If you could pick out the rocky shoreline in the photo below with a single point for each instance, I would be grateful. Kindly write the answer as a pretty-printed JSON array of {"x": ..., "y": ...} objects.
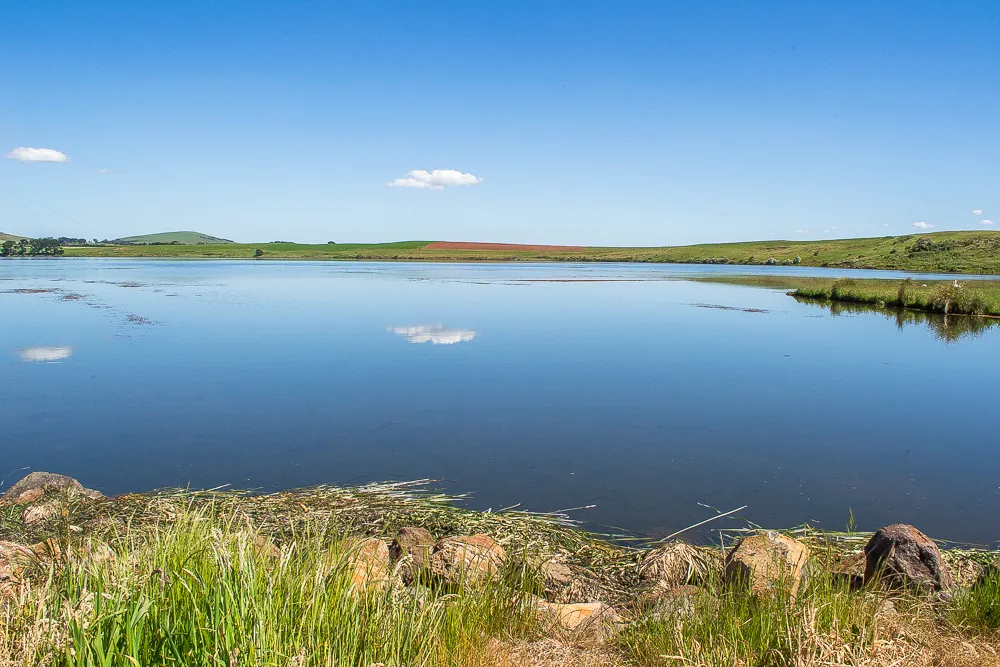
[{"x": 587, "y": 593}]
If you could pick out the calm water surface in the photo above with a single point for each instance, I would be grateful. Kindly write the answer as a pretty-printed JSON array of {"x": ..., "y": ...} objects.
[{"x": 553, "y": 386}]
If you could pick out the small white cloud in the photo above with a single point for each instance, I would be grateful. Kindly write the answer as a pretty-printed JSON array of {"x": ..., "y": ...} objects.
[
  {"x": 102, "y": 171},
  {"x": 45, "y": 354},
  {"x": 978, "y": 211},
  {"x": 801, "y": 231},
  {"x": 27, "y": 154},
  {"x": 437, "y": 334},
  {"x": 439, "y": 179},
  {"x": 923, "y": 225},
  {"x": 836, "y": 229},
  {"x": 886, "y": 224},
  {"x": 986, "y": 222}
]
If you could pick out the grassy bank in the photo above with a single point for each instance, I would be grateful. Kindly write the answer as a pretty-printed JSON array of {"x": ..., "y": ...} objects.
[
  {"x": 972, "y": 297},
  {"x": 959, "y": 252},
  {"x": 227, "y": 579}
]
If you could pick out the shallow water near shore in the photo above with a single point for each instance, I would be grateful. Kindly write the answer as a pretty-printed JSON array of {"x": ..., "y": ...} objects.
[{"x": 554, "y": 386}]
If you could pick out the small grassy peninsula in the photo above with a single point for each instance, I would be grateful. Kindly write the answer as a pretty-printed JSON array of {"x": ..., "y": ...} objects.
[
  {"x": 394, "y": 575},
  {"x": 946, "y": 297}
]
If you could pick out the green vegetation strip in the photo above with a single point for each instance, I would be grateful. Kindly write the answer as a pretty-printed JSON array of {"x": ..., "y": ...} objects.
[{"x": 949, "y": 252}]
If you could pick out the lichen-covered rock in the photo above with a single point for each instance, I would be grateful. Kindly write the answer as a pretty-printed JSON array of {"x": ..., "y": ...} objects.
[
  {"x": 767, "y": 563},
  {"x": 368, "y": 561},
  {"x": 900, "y": 556},
  {"x": 466, "y": 559},
  {"x": 678, "y": 563},
  {"x": 34, "y": 486},
  {"x": 411, "y": 550}
]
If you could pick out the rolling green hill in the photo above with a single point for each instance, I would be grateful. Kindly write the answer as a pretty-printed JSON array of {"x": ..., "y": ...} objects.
[
  {"x": 182, "y": 238},
  {"x": 9, "y": 237},
  {"x": 952, "y": 252}
]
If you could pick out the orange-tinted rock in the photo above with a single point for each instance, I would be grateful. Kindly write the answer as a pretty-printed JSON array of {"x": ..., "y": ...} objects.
[{"x": 469, "y": 559}]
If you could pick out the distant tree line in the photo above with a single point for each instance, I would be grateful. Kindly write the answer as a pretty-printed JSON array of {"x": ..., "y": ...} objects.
[{"x": 31, "y": 247}]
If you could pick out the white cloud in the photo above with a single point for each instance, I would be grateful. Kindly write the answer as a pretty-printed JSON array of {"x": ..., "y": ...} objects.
[
  {"x": 986, "y": 222},
  {"x": 45, "y": 354},
  {"x": 439, "y": 179},
  {"x": 26, "y": 154},
  {"x": 923, "y": 225},
  {"x": 886, "y": 224},
  {"x": 801, "y": 231},
  {"x": 437, "y": 334},
  {"x": 978, "y": 211}
]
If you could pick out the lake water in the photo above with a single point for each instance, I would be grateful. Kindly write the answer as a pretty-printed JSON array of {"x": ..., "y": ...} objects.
[{"x": 550, "y": 385}]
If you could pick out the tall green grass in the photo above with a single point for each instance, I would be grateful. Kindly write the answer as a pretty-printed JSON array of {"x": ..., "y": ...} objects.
[
  {"x": 725, "y": 627},
  {"x": 197, "y": 594}
]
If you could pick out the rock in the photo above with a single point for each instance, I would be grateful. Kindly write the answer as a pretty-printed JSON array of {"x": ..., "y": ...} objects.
[
  {"x": 556, "y": 575},
  {"x": 767, "y": 563},
  {"x": 34, "y": 486},
  {"x": 678, "y": 563},
  {"x": 368, "y": 560},
  {"x": 900, "y": 556},
  {"x": 47, "y": 551},
  {"x": 14, "y": 558},
  {"x": 850, "y": 570},
  {"x": 412, "y": 552},
  {"x": 470, "y": 559},
  {"x": 583, "y": 620},
  {"x": 265, "y": 548}
]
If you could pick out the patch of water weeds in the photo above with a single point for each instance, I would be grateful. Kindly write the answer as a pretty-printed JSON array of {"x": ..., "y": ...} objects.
[{"x": 716, "y": 306}]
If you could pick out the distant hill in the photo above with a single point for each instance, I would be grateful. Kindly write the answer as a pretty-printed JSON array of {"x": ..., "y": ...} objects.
[
  {"x": 10, "y": 237},
  {"x": 180, "y": 238}
]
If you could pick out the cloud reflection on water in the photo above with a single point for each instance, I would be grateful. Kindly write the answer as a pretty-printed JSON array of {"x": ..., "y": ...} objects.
[
  {"x": 436, "y": 334},
  {"x": 45, "y": 354}
]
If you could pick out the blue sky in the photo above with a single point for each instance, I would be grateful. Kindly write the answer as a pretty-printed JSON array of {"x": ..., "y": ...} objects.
[{"x": 581, "y": 122}]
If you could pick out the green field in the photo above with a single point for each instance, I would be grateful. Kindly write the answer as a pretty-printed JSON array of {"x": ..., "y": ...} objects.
[
  {"x": 183, "y": 238},
  {"x": 954, "y": 252}
]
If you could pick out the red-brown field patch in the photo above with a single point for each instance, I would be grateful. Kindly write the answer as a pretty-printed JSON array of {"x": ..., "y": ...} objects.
[{"x": 471, "y": 245}]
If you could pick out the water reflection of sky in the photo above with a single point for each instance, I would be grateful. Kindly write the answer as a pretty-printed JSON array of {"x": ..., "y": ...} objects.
[
  {"x": 436, "y": 334},
  {"x": 619, "y": 394},
  {"x": 45, "y": 354}
]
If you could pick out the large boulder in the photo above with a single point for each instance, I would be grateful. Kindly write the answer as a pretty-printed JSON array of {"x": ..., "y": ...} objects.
[
  {"x": 677, "y": 564},
  {"x": 767, "y": 563},
  {"x": 368, "y": 562},
  {"x": 466, "y": 559},
  {"x": 411, "y": 550},
  {"x": 36, "y": 485},
  {"x": 900, "y": 556}
]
